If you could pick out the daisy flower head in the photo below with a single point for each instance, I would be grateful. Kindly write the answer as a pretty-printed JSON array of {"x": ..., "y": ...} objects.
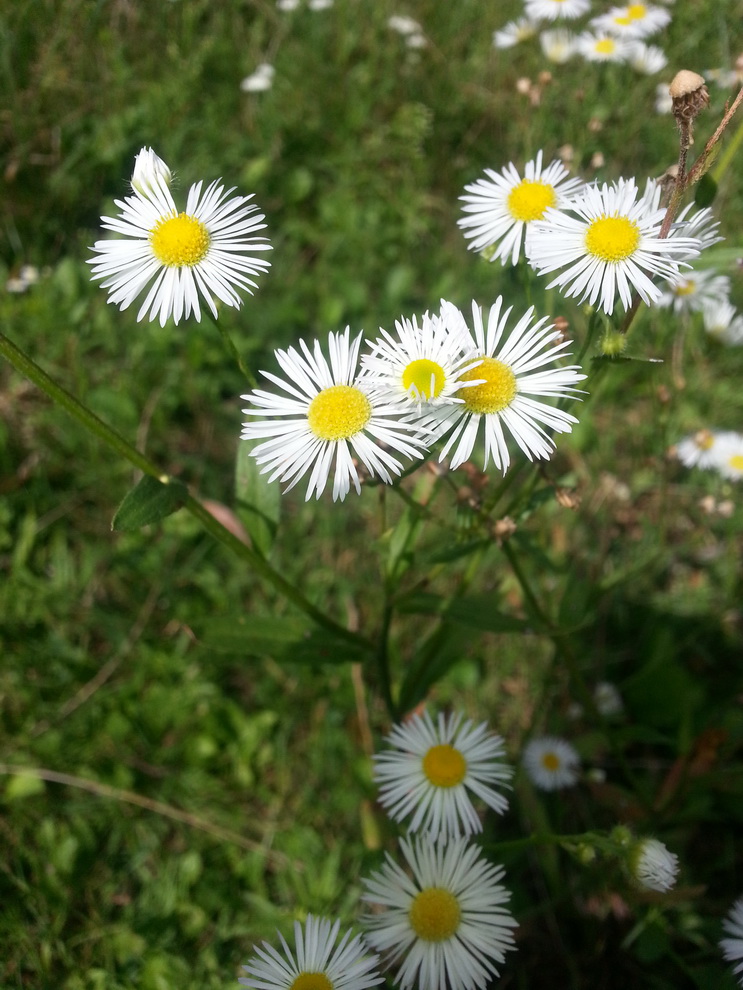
[
  {"x": 319, "y": 961},
  {"x": 602, "y": 47},
  {"x": 326, "y": 416},
  {"x": 723, "y": 321},
  {"x": 422, "y": 366},
  {"x": 558, "y": 46},
  {"x": 259, "y": 81},
  {"x": 647, "y": 59},
  {"x": 636, "y": 20},
  {"x": 514, "y": 33},
  {"x": 652, "y": 866},
  {"x": 447, "y": 924},
  {"x": 433, "y": 767},
  {"x": 700, "y": 449},
  {"x": 208, "y": 250},
  {"x": 728, "y": 456},
  {"x": 693, "y": 290},
  {"x": 610, "y": 245},
  {"x": 502, "y": 207},
  {"x": 732, "y": 948},
  {"x": 702, "y": 224},
  {"x": 509, "y": 374},
  {"x": 551, "y": 10},
  {"x": 607, "y": 698},
  {"x": 551, "y": 763}
]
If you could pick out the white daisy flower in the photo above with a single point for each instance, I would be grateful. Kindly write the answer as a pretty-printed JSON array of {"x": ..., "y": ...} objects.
[
  {"x": 723, "y": 321},
  {"x": 602, "y": 47},
  {"x": 663, "y": 99},
  {"x": 647, "y": 59},
  {"x": 433, "y": 767},
  {"x": 611, "y": 246},
  {"x": 423, "y": 366},
  {"x": 607, "y": 698},
  {"x": 149, "y": 169},
  {"x": 636, "y": 20},
  {"x": 287, "y": 4},
  {"x": 692, "y": 291},
  {"x": 504, "y": 205},
  {"x": 510, "y": 374},
  {"x": 320, "y": 4},
  {"x": 732, "y": 948},
  {"x": 514, "y": 33},
  {"x": 700, "y": 449},
  {"x": 728, "y": 455},
  {"x": 652, "y": 865},
  {"x": 447, "y": 925},
  {"x": 208, "y": 249},
  {"x": 550, "y": 10},
  {"x": 551, "y": 763},
  {"x": 325, "y": 417},
  {"x": 319, "y": 962},
  {"x": 558, "y": 46},
  {"x": 702, "y": 225},
  {"x": 403, "y": 24},
  {"x": 260, "y": 80}
]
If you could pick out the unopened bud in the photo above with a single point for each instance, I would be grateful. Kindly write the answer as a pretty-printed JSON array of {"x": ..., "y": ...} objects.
[{"x": 149, "y": 171}]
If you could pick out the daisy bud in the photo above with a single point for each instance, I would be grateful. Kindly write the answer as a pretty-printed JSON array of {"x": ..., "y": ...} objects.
[
  {"x": 652, "y": 865},
  {"x": 148, "y": 169}
]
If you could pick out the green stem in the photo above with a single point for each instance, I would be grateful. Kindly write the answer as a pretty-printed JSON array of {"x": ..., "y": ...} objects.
[
  {"x": 233, "y": 351},
  {"x": 26, "y": 366}
]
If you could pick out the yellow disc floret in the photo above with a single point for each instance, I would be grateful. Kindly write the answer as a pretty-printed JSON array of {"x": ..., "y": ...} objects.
[
  {"x": 179, "y": 240},
  {"x": 339, "y": 412},
  {"x": 637, "y": 11},
  {"x": 311, "y": 981},
  {"x": 551, "y": 762},
  {"x": 497, "y": 391},
  {"x": 606, "y": 46},
  {"x": 434, "y": 914},
  {"x": 425, "y": 377},
  {"x": 612, "y": 239},
  {"x": 685, "y": 288},
  {"x": 529, "y": 199},
  {"x": 444, "y": 766},
  {"x": 736, "y": 462}
]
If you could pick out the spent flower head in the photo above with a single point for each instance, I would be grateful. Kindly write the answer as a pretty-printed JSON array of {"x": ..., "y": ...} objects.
[
  {"x": 325, "y": 418},
  {"x": 319, "y": 961},
  {"x": 208, "y": 250},
  {"x": 510, "y": 372},
  {"x": 431, "y": 770},
  {"x": 446, "y": 925}
]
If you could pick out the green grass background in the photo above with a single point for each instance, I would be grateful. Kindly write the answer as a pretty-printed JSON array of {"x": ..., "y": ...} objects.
[{"x": 357, "y": 156}]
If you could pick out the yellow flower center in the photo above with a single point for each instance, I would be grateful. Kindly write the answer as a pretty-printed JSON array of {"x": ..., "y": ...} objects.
[
  {"x": 339, "y": 412},
  {"x": 623, "y": 20},
  {"x": 426, "y": 378},
  {"x": 703, "y": 439},
  {"x": 180, "y": 240},
  {"x": 612, "y": 238},
  {"x": 686, "y": 288},
  {"x": 551, "y": 762},
  {"x": 529, "y": 199},
  {"x": 434, "y": 914},
  {"x": 605, "y": 46},
  {"x": 497, "y": 391},
  {"x": 736, "y": 462},
  {"x": 444, "y": 766},
  {"x": 311, "y": 981},
  {"x": 636, "y": 11}
]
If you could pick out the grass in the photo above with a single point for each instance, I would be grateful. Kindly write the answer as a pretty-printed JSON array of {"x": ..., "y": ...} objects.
[{"x": 116, "y": 669}]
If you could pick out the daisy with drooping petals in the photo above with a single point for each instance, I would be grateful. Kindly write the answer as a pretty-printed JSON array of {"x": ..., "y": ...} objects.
[
  {"x": 509, "y": 374},
  {"x": 723, "y": 321},
  {"x": 558, "y": 45},
  {"x": 611, "y": 246},
  {"x": 447, "y": 924},
  {"x": 319, "y": 962},
  {"x": 732, "y": 948},
  {"x": 325, "y": 416},
  {"x": 209, "y": 249},
  {"x": 503, "y": 206},
  {"x": 431, "y": 769},
  {"x": 550, "y": 10},
  {"x": 424, "y": 366},
  {"x": 551, "y": 763},
  {"x": 652, "y": 866},
  {"x": 693, "y": 290},
  {"x": 514, "y": 33},
  {"x": 647, "y": 59},
  {"x": 636, "y": 20}
]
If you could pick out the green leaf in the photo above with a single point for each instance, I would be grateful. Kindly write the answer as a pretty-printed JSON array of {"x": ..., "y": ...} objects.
[
  {"x": 475, "y": 611},
  {"x": 258, "y": 500},
  {"x": 149, "y": 501},
  {"x": 286, "y": 638},
  {"x": 23, "y": 785},
  {"x": 705, "y": 191}
]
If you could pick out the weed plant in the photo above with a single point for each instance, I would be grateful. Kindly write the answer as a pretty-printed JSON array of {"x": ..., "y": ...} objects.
[{"x": 186, "y": 755}]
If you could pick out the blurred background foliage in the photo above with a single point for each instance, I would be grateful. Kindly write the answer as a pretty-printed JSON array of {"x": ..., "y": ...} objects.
[{"x": 357, "y": 155}]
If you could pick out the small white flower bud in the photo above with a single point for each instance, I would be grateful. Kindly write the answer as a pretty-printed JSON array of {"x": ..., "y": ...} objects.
[
  {"x": 652, "y": 865},
  {"x": 148, "y": 169}
]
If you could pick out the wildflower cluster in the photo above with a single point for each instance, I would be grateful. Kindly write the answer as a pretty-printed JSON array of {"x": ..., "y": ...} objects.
[{"x": 713, "y": 450}]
